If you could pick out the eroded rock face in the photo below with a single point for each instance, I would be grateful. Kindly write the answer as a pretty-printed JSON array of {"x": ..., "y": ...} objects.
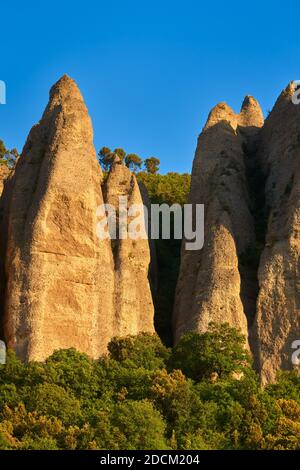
[
  {"x": 248, "y": 176},
  {"x": 133, "y": 299},
  {"x": 210, "y": 285},
  {"x": 60, "y": 278},
  {"x": 278, "y": 309}
]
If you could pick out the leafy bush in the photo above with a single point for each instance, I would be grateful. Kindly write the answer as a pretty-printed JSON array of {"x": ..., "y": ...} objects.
[
  {"x": 203, "y": 394},
  {"x": 219, "y": 351}
]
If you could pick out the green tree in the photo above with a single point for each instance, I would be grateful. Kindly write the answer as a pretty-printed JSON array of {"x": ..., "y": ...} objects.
[
  {"x": 132, "y": 425},
  {"x": 3, "y": 149},
  {"x": 218, "y": 353},
  {"x": 287, "y": 386},
  {"x": 144, "y": 350},
  {"x": 105, "y": 158},
  {"x": 8, "y": 157},
  {"x": 53, "y": 400},
  {"x": 152, "y": 165},
  {"x": 170, "y": 188},
  {"x": 286, "y": 432},
  {"x": 133, "y": 161},
  {"x": 120, "y": 153},
  {"x": 73, "y": 371}
]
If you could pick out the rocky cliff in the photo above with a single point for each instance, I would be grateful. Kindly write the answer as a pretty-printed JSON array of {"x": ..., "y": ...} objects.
[
  {"x": 277, "y": 322},
  {"x": 211, "y": 283},
  {"x": 61, "y": 288},
  {"x": 133, "y": 300},
  {"x": 246, "y": 172}
]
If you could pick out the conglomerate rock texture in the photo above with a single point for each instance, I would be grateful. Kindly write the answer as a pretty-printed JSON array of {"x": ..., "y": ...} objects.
[
  {"x": 247, "y": 174},
  {"x": 209, "y": 286},
  {"x": 133, "y": 300},
  {"x": 277, "y": 324},
  {"x": 61, "y": 286},
  {"x": 60, "y": 279}
]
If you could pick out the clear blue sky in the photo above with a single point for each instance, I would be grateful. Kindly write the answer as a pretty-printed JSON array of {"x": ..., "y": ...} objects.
[{"x": 149, "y": 71}]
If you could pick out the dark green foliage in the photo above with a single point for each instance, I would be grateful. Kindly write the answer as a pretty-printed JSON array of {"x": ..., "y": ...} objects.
[
  {"x": 106, "y": 157},
  {"x": 170, "y": 188},
  {"x": 144, "y": 350},
  {"x": 204, "y": 396},
  {"x": 218, "y": 351},
  {"x": 135, "y": 425},
  {"x": 133, "y": 162},
  {"x": 53, "y": 400},
  {"x": 8, "y": 157},
  {"x": 152, "y": 165},
  {"x": 288, "y": 386}
]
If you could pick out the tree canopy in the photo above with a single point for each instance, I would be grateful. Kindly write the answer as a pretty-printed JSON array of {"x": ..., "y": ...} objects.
[
  {"x": 143, "y": 395},
  {"x": 8, "y": 157},
  {"x": 131, "y": 160}
]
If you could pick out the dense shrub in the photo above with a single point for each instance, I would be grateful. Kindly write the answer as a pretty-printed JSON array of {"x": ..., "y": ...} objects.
[{"x": 203, "y": 394}]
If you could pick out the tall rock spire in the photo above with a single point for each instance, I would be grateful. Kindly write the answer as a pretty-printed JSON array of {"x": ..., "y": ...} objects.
[
  {"x": 60, "y": 279},
  {"x": 133, "y": 300},
  {"x": 277, "y": 323},
  {"x": 211, "y": 284}
]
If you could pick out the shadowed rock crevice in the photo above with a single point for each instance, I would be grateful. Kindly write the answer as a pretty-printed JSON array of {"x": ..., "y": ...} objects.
[
  {"x": 277, "y": 322},
  {"x": 250, "y": 257}
]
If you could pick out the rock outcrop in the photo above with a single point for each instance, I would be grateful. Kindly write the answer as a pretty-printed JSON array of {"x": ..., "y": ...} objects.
[
  {"x": 211, "y": 285},
  {"x": 277, "y": 323},
  {"x": 247, "y": 174},
  {"x": 61, "y": 288},
  {"x": 133, "y": 300}
]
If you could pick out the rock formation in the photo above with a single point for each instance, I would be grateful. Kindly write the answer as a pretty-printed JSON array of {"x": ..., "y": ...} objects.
[
  {"x": 61, "y": 288},
  {"x": 247, "y": 174},
  {"x": 133, "y": 300},
  {"x": 210, "y": 286},
  {"x": 277, "y": 323}
]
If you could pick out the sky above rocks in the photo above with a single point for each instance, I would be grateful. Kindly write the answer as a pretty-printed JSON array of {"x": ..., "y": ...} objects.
[{"x": 149, "y": 71}]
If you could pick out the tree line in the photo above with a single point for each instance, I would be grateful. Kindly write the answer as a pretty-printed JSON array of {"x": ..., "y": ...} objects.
[
  {"x": 131, "y": 160},
  {"x": 201, "y": 394}
]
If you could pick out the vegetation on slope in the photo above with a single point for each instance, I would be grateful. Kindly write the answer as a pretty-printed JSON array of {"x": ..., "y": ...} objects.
[{"x": 203, "y": 394}]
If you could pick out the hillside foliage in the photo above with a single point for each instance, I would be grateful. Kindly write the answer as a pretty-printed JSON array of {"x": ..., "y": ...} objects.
[
  {"x": 203, "y": 394},
  {"x": 172, "y": 188}
]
